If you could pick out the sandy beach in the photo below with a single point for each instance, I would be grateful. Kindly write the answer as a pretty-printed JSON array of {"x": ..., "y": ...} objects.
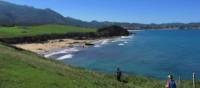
[
  {"x": 53, "y": 44},
  {"x": 67, "y": 47}
]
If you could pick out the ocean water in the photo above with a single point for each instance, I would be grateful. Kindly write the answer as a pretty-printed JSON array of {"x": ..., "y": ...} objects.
[{"x": 151, "y": 53}]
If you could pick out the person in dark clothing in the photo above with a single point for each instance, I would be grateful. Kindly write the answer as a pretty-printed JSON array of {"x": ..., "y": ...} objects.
[
  {"x": 118, "y": 74},
  {"x": 170, "y": 83}
]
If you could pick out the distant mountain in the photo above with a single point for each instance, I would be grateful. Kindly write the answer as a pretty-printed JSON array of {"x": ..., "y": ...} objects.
[
  {"x": 76, "y": 22},
  {"x": 12, "y": 14},
  {"x": 136, "y": 26},
  {"x": 96, "y": 24}
]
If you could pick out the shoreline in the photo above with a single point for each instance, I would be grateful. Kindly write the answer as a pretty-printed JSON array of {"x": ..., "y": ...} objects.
[
  {"x": 67, "y": 46},
  {"x": 51, "y": 45}
]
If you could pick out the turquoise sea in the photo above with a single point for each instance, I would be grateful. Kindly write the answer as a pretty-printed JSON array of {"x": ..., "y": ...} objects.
[{"x": 151, "y": 53}]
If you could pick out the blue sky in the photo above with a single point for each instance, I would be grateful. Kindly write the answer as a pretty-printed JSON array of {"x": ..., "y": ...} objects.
[{"x": 140, "y": 11}]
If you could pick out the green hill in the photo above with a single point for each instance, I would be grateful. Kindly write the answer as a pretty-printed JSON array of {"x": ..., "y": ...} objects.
[
  {"x": 19, "y": 31},
  {"x": 23, "y": 69}
]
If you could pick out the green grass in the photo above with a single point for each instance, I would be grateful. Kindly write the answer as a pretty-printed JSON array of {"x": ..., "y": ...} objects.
[
  {"x": 20, "y": 31},
  {"x": 23, "y": 69}
]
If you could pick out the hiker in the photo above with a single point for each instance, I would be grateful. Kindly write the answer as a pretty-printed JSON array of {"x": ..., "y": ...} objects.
[
  {"x": 118, "y": 74},
  {"x": 170, "y": 83}
]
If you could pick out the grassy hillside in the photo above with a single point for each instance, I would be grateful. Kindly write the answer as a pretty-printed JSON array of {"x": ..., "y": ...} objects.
[
  {"x": 39, "y": 30},
  {"x": 22, "y": 69}
]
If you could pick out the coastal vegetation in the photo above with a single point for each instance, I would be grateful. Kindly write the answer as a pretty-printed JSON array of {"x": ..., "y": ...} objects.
[
  {"x": 21, "y": 31},
  {"x": 23, "y": 69},
  {"x": 43, "y": 33},
  {"x": 112, "y": 31}
]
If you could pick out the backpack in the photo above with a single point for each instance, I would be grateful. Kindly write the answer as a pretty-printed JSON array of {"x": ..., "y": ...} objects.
[{"x": 172, "y": 84}]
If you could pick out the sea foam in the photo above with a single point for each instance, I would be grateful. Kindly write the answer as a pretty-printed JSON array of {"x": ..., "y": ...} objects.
[
  {"x": 121, "y": 44},
  {"x": 97, "y": 46},
  {"x": 68, "y": 50},
  {"x": 65, "y": 57},
  {"x": 104, "y": 42}
]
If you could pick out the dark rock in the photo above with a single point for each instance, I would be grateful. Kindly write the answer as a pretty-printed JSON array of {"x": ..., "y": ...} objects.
[
  {"x": 61, "y": 40},
  {"x": 89, "y": 44}
]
